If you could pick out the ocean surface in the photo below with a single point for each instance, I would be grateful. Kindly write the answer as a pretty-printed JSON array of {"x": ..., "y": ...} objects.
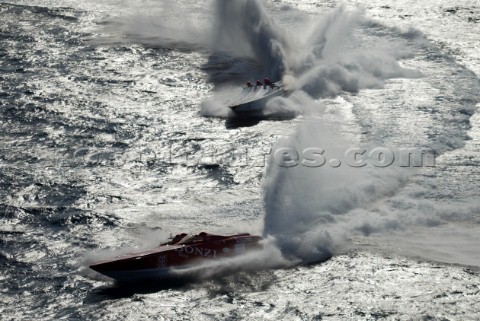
[{"x": 115, "y": 135}]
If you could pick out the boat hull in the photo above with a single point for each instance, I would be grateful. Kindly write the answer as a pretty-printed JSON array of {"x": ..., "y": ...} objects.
[
  {"x": 144, "y": 274},
  {"x": 255, "y": 101},
  {"x": 161, "y": 261}
]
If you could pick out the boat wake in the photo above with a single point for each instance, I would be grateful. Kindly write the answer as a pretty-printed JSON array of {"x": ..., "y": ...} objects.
[
  {"x": 245, "y": 43},
  {"x": 311, "y": 213}
]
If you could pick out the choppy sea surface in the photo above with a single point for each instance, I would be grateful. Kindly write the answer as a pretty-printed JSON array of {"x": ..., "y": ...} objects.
[{"x": 115, "y": 134}]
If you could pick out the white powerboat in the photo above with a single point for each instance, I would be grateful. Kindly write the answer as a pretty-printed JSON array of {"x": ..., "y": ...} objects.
[{"x": 253, "y": 99}]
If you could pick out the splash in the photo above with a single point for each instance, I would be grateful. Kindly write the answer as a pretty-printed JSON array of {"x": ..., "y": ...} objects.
[
  {"x": 267, "y": 258},
  {"x": 306, "y": 206},
  {"x": 321, "y": 60},
  {"x": 319, "y": 56},
  {"x": 243, "y": 28},
  {"x": 310, "y": 212}
]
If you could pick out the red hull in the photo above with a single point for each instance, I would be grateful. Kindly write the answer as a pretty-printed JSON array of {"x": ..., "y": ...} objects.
[{"x": 183, "y": 251}]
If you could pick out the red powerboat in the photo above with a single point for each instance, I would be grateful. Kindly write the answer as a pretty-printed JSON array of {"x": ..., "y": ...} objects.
[{"x": 182, "y": 252}]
